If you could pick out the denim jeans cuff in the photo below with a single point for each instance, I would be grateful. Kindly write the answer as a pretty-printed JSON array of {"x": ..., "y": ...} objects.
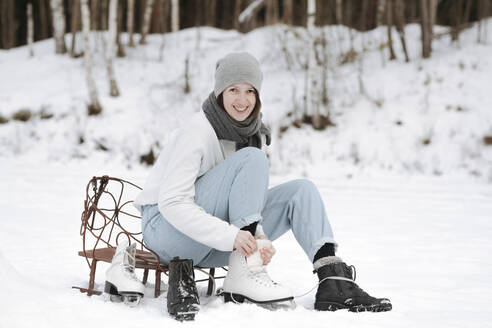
[{"x": 248, "y": 220}]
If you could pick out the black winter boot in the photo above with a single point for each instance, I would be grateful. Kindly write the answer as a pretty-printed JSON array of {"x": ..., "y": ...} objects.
[
  {"x": 338, "y": 290},
  {"x": 182, "y": 296}
]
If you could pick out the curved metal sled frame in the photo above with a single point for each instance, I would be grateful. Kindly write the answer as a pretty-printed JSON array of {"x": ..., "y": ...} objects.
[{"x": 107, "y": 217}]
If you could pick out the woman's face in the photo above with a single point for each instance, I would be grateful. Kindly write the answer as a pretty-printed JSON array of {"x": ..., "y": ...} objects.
[{"x": 239, "y": 100}]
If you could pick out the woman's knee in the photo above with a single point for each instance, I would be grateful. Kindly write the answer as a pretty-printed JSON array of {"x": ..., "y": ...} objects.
[
  {"x": 304, "y": 187},
  {"x": 255, "y": 158}
]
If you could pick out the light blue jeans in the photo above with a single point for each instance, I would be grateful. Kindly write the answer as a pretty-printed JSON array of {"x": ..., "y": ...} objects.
[{"x": 237, "y": 191}]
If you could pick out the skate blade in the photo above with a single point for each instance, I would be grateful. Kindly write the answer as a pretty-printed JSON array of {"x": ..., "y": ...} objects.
[
  {"x": 285, "y": 303},
  {"x": 131, "y": 300}
]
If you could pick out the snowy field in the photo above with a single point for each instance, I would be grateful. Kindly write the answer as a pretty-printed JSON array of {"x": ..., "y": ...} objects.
[
  {"x": 405, "y": 174},
  {"x": 422, "y": 242}
]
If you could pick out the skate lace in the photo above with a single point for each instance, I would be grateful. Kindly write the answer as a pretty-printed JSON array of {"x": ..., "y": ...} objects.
[
  {"x": 129, "y": 266},
  {"x": 260, "y": 274},
  {"x": 352, "y": 274}
]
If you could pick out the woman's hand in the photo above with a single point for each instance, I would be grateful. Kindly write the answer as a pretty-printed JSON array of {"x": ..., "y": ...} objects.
[
  {"x": 245, "y": 243},
  {"x": 267, "y": 254}
]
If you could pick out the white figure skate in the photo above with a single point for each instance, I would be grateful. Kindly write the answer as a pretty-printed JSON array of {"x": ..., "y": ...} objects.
[
  {"x": 247, "y": 279},
  {"x": 121, "y": 282}
]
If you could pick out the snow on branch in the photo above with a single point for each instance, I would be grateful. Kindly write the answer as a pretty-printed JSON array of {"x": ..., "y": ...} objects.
[{"x": 253, "y": 8}]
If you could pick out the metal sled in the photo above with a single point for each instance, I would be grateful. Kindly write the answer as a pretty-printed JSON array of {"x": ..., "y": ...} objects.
[{"x": 108, "y": 217}]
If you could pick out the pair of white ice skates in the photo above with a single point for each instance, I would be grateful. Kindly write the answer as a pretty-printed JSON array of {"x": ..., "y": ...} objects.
[{"x": 247, "y": 279}]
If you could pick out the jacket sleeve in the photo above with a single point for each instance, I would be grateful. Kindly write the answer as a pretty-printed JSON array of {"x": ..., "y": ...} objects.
[{"x": 177, "y": 193}]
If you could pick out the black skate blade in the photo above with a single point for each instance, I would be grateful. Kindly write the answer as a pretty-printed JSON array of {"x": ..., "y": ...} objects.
[{"x": 238, "y": 298}]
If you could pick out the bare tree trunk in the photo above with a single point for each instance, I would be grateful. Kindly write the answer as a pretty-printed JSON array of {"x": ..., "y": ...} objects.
[
  {"x": 175, "y": 16},
  {"x": 146, "y": 21},
  {"x": 363, "y": 15},
  {"x": 211, "y": 12},
  {"x": 74, "y": 24},
  {"x": 389, "y": 23},
  {"x": 380, "y": 12},
  {"x": 288, "y": 12},
  {"x": 30, "y": 29},
  {"x": 121, "y": 50},
  {"x": 95, "y": 14},
  {"x": 165, "y": 15},
  {"x": 482, "y": 13},
  {"x": 104, "y": 14},
  {"x": 237, "y": 11},
  {"x": 339, "y": 12},
  {"x": 426, "y": 34},
  {"x": 110, "y": 47},
  {"x": 271, "y": 12},
  {"x": 400, "y": 25},
  {"x": 94, "y": 107},
  {"x": 44, "y": 26},
  {"x": 130, "y": 15},
  {"x": 313, "y": 88},
  {"x": 58, "y": 25}
]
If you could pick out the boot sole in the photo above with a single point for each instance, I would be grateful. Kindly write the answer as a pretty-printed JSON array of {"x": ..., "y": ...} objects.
[
  {"x": 238, "y": 298},
  {"x": 331, "y": 306}
]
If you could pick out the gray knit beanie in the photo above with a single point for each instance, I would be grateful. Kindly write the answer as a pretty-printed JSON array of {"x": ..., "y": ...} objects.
[{"x": 237, "y": 67}]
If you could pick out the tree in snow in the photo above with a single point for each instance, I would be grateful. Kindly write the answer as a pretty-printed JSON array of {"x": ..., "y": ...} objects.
[
  {"x": 146, "y": 20},
  {"x": 314, "y": 83},
  {"x": 111, "y": 45},
  {"x": 94, "y": 107},
  {"x": 130, "y": 14},
  {"x": 58, "y": 25},
  {"x": 30, "y": 29},
  {"x": 428, "y": 17}
]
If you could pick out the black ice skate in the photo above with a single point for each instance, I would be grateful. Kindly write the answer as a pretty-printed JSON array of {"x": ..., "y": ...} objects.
[
  {"x": 182, "y": 297},
  {"x": 338, "y": 290}
]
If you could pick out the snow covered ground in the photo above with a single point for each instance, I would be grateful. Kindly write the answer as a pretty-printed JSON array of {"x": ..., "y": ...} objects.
[
  {"x": 422, "y": 242},
  {"x": 405, "y": 174}
]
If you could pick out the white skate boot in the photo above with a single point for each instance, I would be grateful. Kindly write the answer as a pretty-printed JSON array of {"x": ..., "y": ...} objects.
[
  {"x": 121, "y": 282},
  {"x": 248, "y": 279}
]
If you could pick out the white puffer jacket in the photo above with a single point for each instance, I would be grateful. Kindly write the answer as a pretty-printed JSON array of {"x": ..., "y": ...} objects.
[{"x": 190, "y": 152}]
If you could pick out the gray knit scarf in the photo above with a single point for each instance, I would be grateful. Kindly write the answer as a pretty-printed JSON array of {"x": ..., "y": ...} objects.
[{"x": 246, "y": 133}]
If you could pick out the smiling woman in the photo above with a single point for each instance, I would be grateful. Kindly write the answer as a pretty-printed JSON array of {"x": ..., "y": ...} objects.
[{"x": 207, "y": 202}]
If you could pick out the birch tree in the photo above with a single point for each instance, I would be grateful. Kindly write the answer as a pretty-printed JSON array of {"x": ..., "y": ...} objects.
[
  {"x": 130, "y": 15},
  {"x": 30, "y": 29},
  {"x": 428, "y": 17},
  {"x": 58, "y": 25},
  {"x": 146, "y": 21},
  {"x": 339, "y": 12},
  {"x": 313, "y": 83},
  {"x": 94, "y": 107},
  {"x": 175, "y": 16},
  {"x": 110, "y": 47}
]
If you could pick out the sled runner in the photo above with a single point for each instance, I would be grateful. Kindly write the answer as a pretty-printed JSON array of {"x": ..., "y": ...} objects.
[{"x": 109, "y": 218}]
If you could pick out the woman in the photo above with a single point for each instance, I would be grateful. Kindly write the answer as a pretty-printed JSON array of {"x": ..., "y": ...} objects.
[{"x": 207, "y": 199}]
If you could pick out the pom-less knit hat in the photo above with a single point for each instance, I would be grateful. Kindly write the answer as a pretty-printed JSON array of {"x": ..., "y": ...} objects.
[{"x": 237, "y": 67}]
